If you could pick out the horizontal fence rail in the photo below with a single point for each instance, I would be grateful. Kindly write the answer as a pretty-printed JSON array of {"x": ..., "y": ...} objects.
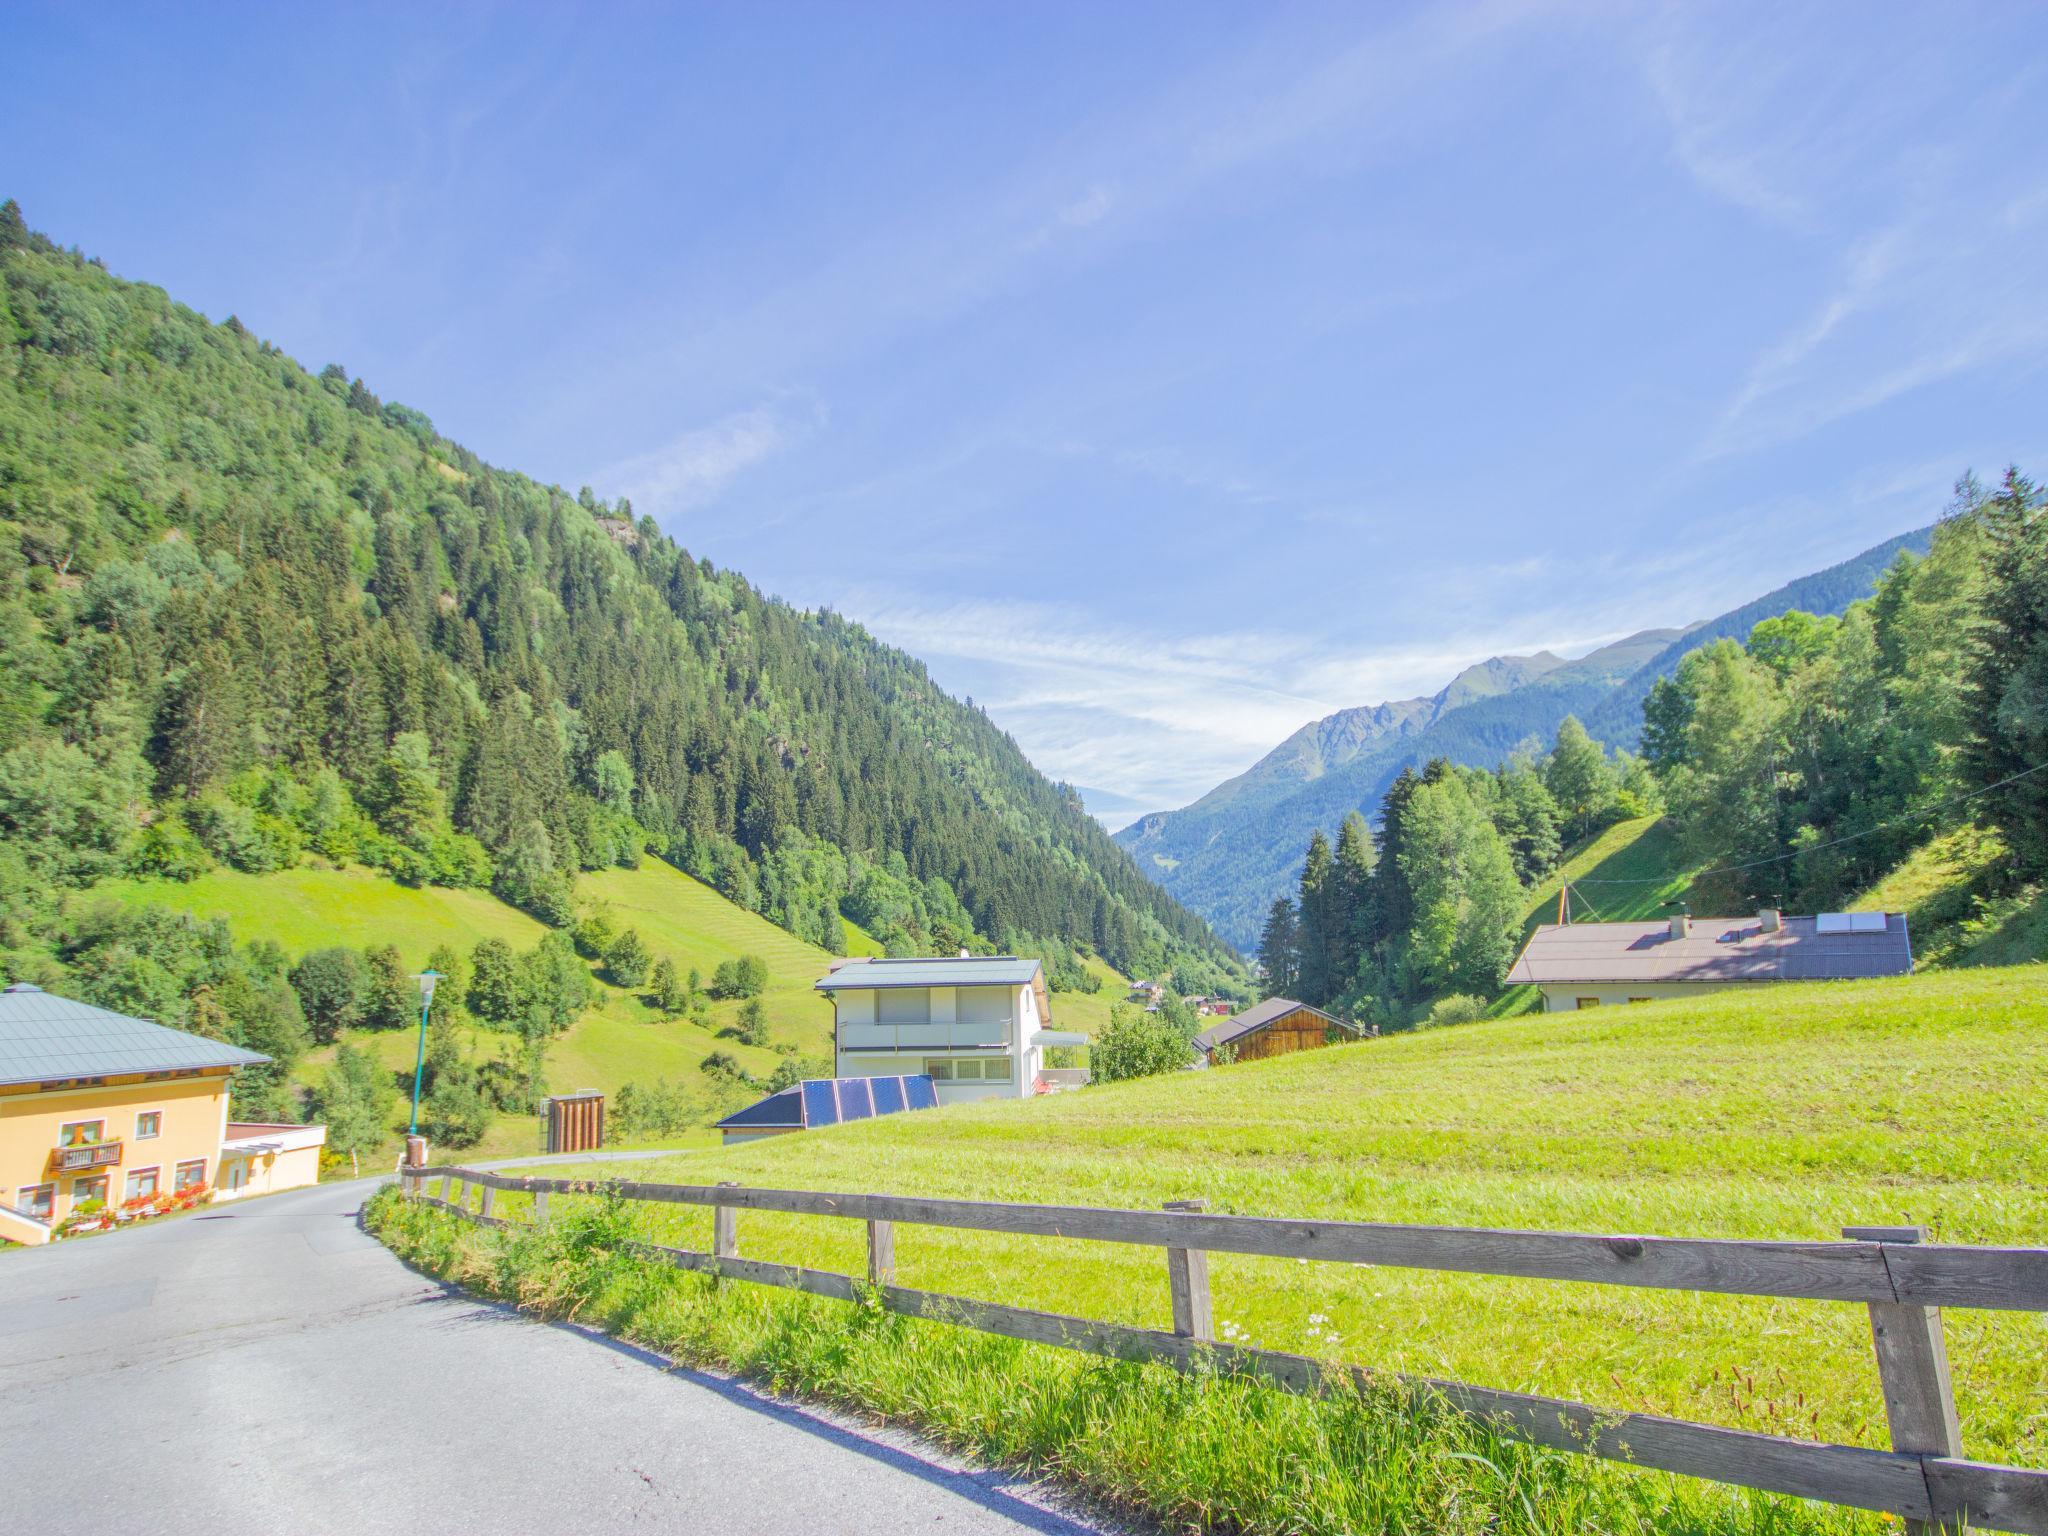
[{"x": 1924, "y": 1478}]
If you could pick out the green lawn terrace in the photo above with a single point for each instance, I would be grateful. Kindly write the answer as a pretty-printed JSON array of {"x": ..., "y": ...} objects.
[
  {"x": 1789, "y": 1111},
  {"x": 621, "y": 1039}
]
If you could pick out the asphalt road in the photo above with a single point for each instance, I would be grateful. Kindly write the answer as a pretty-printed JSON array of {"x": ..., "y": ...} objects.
[{"x": 268, "y": 1366}]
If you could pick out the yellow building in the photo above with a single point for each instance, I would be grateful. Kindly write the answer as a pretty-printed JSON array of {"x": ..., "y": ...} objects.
[{"x": 95, "y": 1106}]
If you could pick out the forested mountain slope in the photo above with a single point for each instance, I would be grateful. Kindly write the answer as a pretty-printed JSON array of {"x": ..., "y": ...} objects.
[
  {"x": 1229, "y": 854},
  {"x": 248, "y": 613}
]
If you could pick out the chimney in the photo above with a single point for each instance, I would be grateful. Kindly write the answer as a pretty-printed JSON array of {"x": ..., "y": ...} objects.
[
  {"x": 1770, "y": 919},
  {"x": 1681, "y": 925}
]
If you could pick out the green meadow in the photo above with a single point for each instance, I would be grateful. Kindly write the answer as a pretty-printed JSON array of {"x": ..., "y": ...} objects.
[
  {"x": 619, "y": 1040},
  {"x": 1789, "y": 1112}
]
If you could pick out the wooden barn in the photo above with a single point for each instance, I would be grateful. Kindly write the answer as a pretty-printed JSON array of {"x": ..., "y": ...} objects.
[{"x": 1275, "y": 1027}]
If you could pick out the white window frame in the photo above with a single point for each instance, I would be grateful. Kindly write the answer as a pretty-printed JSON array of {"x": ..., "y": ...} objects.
[
  {"x": 23, "y": 1202},
  {"x": 156, "y": 1116},
  {"x": 99, "y": 1140},
  {"x": 178, "y": 1181},
  {"x": 128, "y": 1190}
]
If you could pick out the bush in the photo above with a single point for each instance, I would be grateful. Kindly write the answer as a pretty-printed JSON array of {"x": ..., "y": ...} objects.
[
  {"x": 1135, "y": 1044},
  {"x": 667, "y": 991},
  {"x": 744, "y": 977},
  {"x": 330, "y": 985},
  {"x": 1457, "y": 1008},
  {"x": 626, "y": 961},
  {"x": 169, "y": 850},
  {"x": 753, "y": 1023}
]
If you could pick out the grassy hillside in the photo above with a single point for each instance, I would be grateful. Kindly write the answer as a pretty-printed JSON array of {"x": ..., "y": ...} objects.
[
  {"x": 620, "y": 1040},
  {"x": 1088, "y": 1012},
  {"x": 1787, "y": 1112},
  {"x": 1954, "y": 907}
]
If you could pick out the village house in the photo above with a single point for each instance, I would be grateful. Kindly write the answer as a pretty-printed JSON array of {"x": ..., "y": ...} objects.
[
  {"x": 1587, "y": 965},
  {"x": 96, "y": 1106},
  {"x": 1276, "y": 1027},
  {"x": 1153, "y": 992},
  {"x": 977, "y": 1026}
]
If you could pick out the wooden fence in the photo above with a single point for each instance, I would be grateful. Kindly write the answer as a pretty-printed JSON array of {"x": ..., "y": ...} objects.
[{"x": 1902, "y": 1279}]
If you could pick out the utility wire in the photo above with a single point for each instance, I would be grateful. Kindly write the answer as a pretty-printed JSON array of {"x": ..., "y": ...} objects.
[{"x": 1882, "y": 826}]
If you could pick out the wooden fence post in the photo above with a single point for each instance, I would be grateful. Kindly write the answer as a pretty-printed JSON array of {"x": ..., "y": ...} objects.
[
  {"x": 1912, "y": 1368},
  {"x": 1187, "y": 1272},
  {"x": 540, "y": 1207},
  {"x": 881, "y": 1253},
  {"x": 725, "y": 1227},
  {"x": 484, "y": 1205},
  {"x": 447, "y": 1183}
]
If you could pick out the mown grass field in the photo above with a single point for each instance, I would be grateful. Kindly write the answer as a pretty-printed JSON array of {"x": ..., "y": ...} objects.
[
  {"x": 1788, "y": 1112},
  {"x": 620, "y": 1040}
]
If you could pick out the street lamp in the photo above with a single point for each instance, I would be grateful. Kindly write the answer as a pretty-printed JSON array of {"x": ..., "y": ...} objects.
[{"x": 426, "y": 979}]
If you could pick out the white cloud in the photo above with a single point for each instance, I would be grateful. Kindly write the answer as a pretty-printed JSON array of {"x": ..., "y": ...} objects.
[
  {"x": 693, "y": 469},
  {"x": 1159, "y": 718}
]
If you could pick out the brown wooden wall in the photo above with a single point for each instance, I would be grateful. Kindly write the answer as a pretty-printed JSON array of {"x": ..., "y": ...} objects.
[
  {"x": 576, "y": 1122},
  {"x": 1300, "y": 1030}
]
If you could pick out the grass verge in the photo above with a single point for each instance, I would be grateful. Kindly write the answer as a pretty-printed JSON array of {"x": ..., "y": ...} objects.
[{"x": 1199, "y": 1452}]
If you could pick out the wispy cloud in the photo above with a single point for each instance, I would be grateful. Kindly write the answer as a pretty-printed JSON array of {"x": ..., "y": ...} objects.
[
  {"x": 1162, "y": 716},
  {"x": 1942, "y": 291},
  {"x": 695, "y": 467}
]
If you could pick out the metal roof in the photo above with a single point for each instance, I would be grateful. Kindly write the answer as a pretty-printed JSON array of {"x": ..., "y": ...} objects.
[
  {"x": 975, "y": 971},
  {"x": 44, "y": 1038},
  {"x": 1258, "y": 1016},
  {"x": 1719, "y": 949},
  {"x": 820, "y": 1101}
]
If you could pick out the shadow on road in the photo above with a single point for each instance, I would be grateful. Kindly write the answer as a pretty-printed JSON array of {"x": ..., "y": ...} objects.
[{"x": 983, "y": 1486}]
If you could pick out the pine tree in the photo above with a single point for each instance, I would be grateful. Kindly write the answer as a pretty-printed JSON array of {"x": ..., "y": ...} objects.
[
  {"x": 2007, "y": 699},
  {"x": 1315, "y": 979},
  {"x": 1278, "y": 956}
]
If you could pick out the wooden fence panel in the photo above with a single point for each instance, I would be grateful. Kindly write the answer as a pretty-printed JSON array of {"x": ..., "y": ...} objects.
[{"x": 1925, "y": 1479}]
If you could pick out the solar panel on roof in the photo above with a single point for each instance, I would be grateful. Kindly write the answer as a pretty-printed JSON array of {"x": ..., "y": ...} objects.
[
  {"x": 821, "y": 1107},
  {"x": 1866, "y": 922},
  {"x": 888, "y": 1095},
  {"x": 920, "y": 1092},
  {"x": 856, "y": 1100},
  {"x": 1832, "y": 922}
]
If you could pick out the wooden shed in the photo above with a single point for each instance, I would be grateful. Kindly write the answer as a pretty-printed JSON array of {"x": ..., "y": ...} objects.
[
  {"x": 1276, "y": 1027},
  {"x": 576, "y": 1122}
]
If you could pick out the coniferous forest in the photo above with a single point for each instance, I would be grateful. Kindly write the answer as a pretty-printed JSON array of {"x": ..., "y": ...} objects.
[{"x": 251, "y": 614}]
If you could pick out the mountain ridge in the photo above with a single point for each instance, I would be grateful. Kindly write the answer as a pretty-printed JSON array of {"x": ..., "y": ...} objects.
[{"x": 1227, "y": 854}]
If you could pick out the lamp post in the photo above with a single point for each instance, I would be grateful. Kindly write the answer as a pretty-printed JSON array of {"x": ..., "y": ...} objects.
[{"x": 427, "y": 978}]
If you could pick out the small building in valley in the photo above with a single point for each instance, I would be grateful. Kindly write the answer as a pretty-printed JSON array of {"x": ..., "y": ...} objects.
[
  {"x": 1587, "y": 965},
  {"x": 100, "y": 1110},
  {"x": 821, "y": 1101},
  {"x": 977, "y": 1026},
  {"x": 1276, "y": 1027}
]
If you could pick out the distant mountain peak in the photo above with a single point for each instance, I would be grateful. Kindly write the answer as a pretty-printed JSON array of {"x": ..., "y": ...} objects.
[{"x": 1231, "y": 852}]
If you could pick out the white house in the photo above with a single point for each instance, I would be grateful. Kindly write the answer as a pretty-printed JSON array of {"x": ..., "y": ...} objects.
[
  {"x": 1586, "y": 965},
  {"x": 977, "y": 1026}
]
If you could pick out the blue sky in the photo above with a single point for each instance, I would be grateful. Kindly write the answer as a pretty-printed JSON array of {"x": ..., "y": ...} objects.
[{"x": 1164, "y": 376}]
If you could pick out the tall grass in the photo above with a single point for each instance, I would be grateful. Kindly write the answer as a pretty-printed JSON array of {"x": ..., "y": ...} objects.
[{"x": 1208, "y": 1450}]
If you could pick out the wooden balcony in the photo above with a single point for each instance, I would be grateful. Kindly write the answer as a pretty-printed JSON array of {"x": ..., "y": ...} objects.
[{"x": 95, "y": 1154}]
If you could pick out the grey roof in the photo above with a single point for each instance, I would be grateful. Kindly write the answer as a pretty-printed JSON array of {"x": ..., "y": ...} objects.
[
  {"x": 44, "y": 1037},
  {"x": 1258, "y": 1016},
  {"x": 1719, "y": 949},
  {"x": 976, "y": 971}
]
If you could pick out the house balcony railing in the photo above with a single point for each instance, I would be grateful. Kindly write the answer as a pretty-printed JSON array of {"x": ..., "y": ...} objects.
[{"x": 93, "y": 1154}]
